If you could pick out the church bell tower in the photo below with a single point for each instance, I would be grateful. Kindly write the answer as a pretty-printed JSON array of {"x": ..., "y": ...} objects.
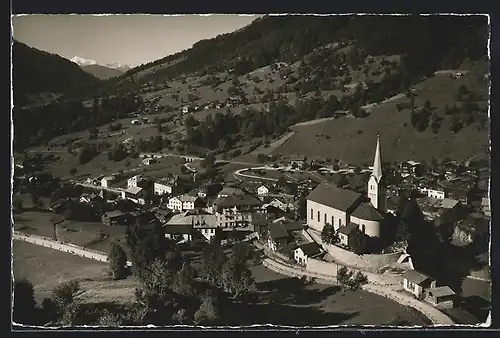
[{"x": 376, "y": 184}]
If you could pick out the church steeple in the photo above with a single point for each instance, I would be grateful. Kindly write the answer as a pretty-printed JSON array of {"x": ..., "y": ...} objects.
[
  {"x": 376, "y": 186},
  {"x": 377, "y": 162}
]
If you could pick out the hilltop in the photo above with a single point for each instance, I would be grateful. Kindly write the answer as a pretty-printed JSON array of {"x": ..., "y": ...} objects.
[
  {"x": 101, "y": 72},
  {"x": 243, "y": 90},
  {"x": 41, "y": 77}
]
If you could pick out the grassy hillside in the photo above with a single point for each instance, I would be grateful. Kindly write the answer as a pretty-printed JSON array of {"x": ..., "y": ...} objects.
[
  {"x": 102, "y": 72},
  {"x": 353, "y": 140},
  {"x": 41, "y": 75}
]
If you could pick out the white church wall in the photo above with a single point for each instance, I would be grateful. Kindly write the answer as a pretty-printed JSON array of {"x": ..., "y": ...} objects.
[
  {"x": 371, "y": 228},
  {"x": 339, "y": 218}
]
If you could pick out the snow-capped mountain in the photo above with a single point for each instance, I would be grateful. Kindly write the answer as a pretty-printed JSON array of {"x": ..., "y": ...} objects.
[{"x": 82, "y": 62}]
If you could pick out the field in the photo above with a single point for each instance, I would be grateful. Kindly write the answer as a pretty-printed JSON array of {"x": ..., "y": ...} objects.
[
  {"x": 353, "y": 140},
  {"x": 287, "y": 301},
  {"x": 45, "y": 268},
  {"x": 92, "y": 235}
]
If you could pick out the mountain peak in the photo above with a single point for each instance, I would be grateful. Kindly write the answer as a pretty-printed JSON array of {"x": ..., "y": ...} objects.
[{"x": 87, "y": 62}]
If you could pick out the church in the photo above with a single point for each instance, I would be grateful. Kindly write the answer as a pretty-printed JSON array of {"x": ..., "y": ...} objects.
[{"x": 347, "y": 210}]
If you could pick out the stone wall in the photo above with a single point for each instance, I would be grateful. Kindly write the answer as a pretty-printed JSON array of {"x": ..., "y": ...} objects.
[
  {"x": 371, "y": 262},
  {"x": 69, "y": 248}
]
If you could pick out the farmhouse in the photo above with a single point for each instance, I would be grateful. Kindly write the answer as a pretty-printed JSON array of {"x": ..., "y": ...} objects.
[
  {"x": 304, "y": 251},
  {"x": 179, "y": 232},
  {"x": 115, "y": 217},
  {"x": 165, "y": 186},
  {"x": 345, "y": 209},
  {"x": 199, "y": 220},
  {"x": 236, "y": 210},
  {"x": 441, "y": 297},
  {"x": 135, "y": 194},
  {"x": 278, "y": 236},
  {"x": 185, "y": 202},
  {"x": 410, "y": 168},
  {"x": 134, "y": 181},
  {"x": 416, "y": 283}
]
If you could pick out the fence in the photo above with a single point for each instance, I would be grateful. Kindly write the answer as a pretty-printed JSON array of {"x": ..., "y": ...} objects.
[{"x": 64, "y": 247}]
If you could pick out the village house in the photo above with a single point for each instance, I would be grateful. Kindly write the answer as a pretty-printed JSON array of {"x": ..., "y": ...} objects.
[
  {"x": 297, "y": 161},
  {"x": 412, "y": 168},
  {"x": 433, "y": 208},
  {"x": 107, "y": 181},
  {"x": 236, "y": 211},
  {"x": 305, "y": 251},
  {"x": 230, "y": 191},
  {"x": 278, "y": 236},
  {"x": 416, "y": 283},
  {"x": 442, "y": 297},
  {"x": 182, "y": 233},
  {"x": 452, "y": 169},
  {"x": 185, "y": 202},
  {"x": 346, "y": 233},
  {"x": 135, "y": 181},
  {"x": 457, "y": 189},
  {"x": 328, "y": 204},
  {"x": 185, "y": 109},
  {"x": 165, "y": 186},
  {"x": 200, "y": 220},
  {"x": 149, "y": 160},
  {"x": 116, "y": 217},
  {"x": 135, "y": 194},
  {"x": 262, "y": 190}
]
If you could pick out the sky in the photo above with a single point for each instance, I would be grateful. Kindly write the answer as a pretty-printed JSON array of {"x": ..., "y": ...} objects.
[{"x": 125, "y": 39}]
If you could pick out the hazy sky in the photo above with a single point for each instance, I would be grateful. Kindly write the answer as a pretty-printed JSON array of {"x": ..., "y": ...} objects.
[{"x": 126, "y": 39}]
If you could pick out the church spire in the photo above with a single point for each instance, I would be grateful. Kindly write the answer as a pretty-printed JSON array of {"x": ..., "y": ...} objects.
[{"x": 377, "y": 162}]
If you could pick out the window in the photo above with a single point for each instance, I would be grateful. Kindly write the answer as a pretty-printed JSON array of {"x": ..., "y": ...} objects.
[
  {"x": 333, "y": 221},
  {"x": 340, "y": 222},
  {"x": 319, "y": 217},
  {"x": 312, "y": 214},
  {"x": 363, "y": 228},
  {"x": 411, "y": 285},
  {"x": 325, "y": 218}
]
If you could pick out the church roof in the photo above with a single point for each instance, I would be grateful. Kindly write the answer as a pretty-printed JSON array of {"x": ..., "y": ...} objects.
[
  {"x": 334, "y": 197},
  {"x": 367, "y": 212}
]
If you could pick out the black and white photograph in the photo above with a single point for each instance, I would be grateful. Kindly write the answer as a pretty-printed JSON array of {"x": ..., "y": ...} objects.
[{"x": 246, "y": 170}]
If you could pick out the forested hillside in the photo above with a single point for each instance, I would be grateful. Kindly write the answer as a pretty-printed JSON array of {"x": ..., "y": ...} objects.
[
  {"x": 41, "y": 75},
  {"x": 420, "y": 46}
]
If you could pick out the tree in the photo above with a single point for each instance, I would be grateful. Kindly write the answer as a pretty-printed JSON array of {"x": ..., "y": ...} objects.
[
  {"x": 261, "y": 158},
  {"x": 117, "y": 259},
  {"x": 356, "y": 280},
  {"x": 109, "y": 319},
  {"x": 35, "y": 199},
  {"x": 185, "y": 280},
  {"x": 343, "y": 276},
  {"x": 208, "y": 313},
  {"x": 402, "y": 232},
  {"x": 241, "y": 251},
  {"x": 213, "y": 261},
  {"x": 282, "y": 181},
  {"x": 73, "y": 171},
  {"x": 328, "y": 234},
  {"x": 24, "y": 302},
  {"x": 236, "y": 277},
  {"x": 358, "y": 242},
  {"x": 64, "y": 294}
]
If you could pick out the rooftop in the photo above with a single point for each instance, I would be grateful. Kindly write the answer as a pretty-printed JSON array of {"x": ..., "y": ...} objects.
[
  {"x": 348, "y": 229},
  {"x": 237, "y": 200},
  {"x": 310, "y": 249},
  {"x": 441, "y": 291},
  {"x": 178, "y": 229},
  {"x": 334, "y": 197},
  {"x": 367, "y": 212},
  {"x": 277, "y": 231},
  {"x": 134, "y": 190},
  {"x": 415, "y": 276}
]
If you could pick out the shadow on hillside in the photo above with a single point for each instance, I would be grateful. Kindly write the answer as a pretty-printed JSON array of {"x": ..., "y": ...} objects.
[
  {"x": 248, "y": 314},
  {"x": 477, "y": 306},
  {"x": 293, "y": 291}
]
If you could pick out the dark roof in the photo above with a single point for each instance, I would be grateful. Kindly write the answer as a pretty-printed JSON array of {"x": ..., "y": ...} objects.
[
  {"x": 367, "y": 212},
  {"x": 277, "y": 231},
  {"x": 310, "y": 249},
  {"x": 178, "y": 229},
  {"x": 334, "y": 197},
  {"x": 442, "y": 291},
  {"x": 415, "y": 276},
  {"x": 346, "y": 230},
  {"x": 238, "y": 200},
  {"x": 116, "y": 213},
  {"x": 288, "y": 224}
]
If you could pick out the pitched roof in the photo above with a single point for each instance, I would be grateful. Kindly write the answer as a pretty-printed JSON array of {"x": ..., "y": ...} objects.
[
  {"x": 442, "y": 291},
  {"x": 187, "y": 198},
  {"x": 377, "y": 162},
  {"x": 367, "y": 212},
  {"x": 289, "y": 224},
  {"x": 348, "y": 229},
  {"x": 310, "y": 249},
  {"x": 238, "y": 200},
  {"x": 334, "y": 197},
  {"x": 134, "y": 190},
  {"x": 415, "y": 276},
  {"x": 277, "y": 231}
]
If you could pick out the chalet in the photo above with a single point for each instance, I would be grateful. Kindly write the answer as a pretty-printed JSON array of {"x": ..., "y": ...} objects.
[
  {"x": 441, "y": 297},
  {"x": 416, "y": 283},
  {"x": 305, "y": 251},
  {"x": 116, "y": 218}
]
